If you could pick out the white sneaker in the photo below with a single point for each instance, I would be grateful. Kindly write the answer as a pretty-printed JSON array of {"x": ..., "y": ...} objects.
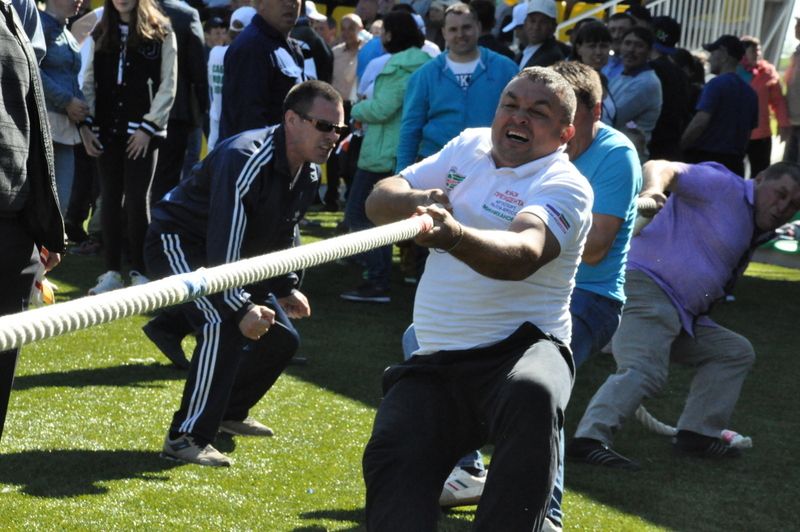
[
  {"x": 137, "y": 278},
  {"x": 461, "y": 489},
  {"x": 110, "y": 280},
  {"x": 186, "y": 449}
]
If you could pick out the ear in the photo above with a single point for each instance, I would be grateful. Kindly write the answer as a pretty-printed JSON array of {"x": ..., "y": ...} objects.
[
  {"x": 290, "y": 117},
  {"x": 567, "y": 133},
  {"x": 597, "y": 111}
]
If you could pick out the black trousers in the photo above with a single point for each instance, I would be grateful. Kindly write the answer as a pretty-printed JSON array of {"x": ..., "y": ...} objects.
[
  {"x": 438, "y": 407},
  {"x": 16, "y": 281},
  {"x": 172, "y": 153},
  {"x": 229, "y": 373},
  {"x": 84, "y": 194},
  {"x": 759, "y": 153},
  {"x": 122, "y": 177}
]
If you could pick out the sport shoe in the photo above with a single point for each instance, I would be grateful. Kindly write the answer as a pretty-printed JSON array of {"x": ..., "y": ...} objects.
[
  {"x": 693, "y": 444},
  {"x": 89, "y": 248},
  {"x": 367, "y": 293},
  {"x": 246, "y": 427},
  {"x": 548, "y": 525},
  {"x": 137, "y": 278},
  {"x": 186, "y": 449},
  {"x": 110, "y": 280},
  {"x": 461, "y": 489},
  {"x": 595, "y": 452},
  {"x": 168, "y": 343}
]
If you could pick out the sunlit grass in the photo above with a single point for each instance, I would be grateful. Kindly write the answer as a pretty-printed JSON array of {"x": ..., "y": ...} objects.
[{"x": 90, "y": 411}]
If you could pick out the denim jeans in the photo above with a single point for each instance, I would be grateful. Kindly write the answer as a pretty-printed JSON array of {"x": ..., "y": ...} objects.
[
  {"x": 64, "y": 155},
  {"x": 595, "y": 318},
  {"x": 377, "y": 262}
]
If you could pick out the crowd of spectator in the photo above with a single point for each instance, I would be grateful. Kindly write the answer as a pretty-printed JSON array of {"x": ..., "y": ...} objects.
[{"x": 132, "y": 88}]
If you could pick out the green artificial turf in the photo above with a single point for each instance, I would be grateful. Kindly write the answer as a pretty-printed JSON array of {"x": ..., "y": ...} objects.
[{"x": 90, "y": 410}]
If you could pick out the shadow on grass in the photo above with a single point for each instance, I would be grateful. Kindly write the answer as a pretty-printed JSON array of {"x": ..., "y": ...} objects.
[
  {"x": 700, "y": 494},
  {"x": 53, "y": 473},
  {"x": 447, "y": 522},
  {"x": 134, "y": 375}
]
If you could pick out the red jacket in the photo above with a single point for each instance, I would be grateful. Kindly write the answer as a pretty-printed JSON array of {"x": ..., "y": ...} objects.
[{"x": 767, "y": 85}]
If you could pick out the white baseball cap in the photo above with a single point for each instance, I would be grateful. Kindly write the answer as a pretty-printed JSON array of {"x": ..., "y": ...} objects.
[
  {"x": 312, "y": 13},
  {"x": 518, "y": 15},
  {"x": 241, "y": 18},
  {"x": 545, "y": 7}
]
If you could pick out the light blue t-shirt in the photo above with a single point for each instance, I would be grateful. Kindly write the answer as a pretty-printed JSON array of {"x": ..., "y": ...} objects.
[{"x": 612, "y": 167}]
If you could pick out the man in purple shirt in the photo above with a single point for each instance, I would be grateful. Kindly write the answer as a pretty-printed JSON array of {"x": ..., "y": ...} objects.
[{"x": 679, "y": 265}]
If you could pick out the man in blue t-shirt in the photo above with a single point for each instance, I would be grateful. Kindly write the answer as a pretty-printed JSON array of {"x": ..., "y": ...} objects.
[
  {"x": 726, "y": 113},
  {"x": 609, "y": 161}
]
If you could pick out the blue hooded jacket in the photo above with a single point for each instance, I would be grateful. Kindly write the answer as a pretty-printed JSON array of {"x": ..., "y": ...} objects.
[{"x": 436, "y": 109}]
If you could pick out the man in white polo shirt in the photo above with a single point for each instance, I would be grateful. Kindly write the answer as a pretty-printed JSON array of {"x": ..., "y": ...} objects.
[{"x": 491, "y": 314}]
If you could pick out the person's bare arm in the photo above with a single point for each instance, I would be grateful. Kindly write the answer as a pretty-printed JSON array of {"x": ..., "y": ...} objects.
[
  {"x": 658, "y": 176},
  {"x": 393, "y": 199},
  {"x": 695, "y": 128},
  {"x": 511, "y": 255},
  {"x": 601, "y": 237}
]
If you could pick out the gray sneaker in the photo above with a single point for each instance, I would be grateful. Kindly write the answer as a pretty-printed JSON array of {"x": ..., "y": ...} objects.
[
  {"x": 186, "y": 449},
  {"x": 246, "y": 427}
]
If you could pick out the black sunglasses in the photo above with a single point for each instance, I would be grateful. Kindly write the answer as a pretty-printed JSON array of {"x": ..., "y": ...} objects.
[{"x": 323, "y": 125}]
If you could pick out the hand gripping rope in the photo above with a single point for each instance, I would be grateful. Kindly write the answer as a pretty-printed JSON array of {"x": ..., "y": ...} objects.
[{"x": 23, "y": 328}]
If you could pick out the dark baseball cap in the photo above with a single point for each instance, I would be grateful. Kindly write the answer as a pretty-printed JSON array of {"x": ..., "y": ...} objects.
[
  {"x": 731, "y": 43},
  {"x": 640, "y": 12},
  {"x": 667, "y": 32}
]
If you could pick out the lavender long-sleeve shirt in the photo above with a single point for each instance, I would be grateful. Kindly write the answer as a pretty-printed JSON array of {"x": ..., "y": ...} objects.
[{"x": 700, "y": 241}]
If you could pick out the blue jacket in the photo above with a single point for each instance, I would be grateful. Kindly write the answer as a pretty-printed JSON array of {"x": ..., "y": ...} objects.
[
  {"x": 436, "y": 109},
  {"x": 261, "y": 66},
  {"x": 60, "y": 67}
]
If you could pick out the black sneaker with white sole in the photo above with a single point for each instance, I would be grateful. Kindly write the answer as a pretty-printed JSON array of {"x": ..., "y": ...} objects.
[
  {"x": 367, "y": 293},
  {"x": 694, "y": 444},
  {"x": 595, "y": 452},
  {"x": 168, "y": 343}
]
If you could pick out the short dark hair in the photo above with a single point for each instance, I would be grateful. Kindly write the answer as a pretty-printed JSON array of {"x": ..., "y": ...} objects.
[
  {"x": 584, "y": 79},
  {"x": 402, "y": 6},
  {"x": 641, "y": 33},
  {"x": 460, "y": 8},
  {"x": 623, "y": 16},
  {"x": 485, "y": 12},
  {"x": 556, "y": 83},
  {"x": 404, "y": 31},
  {"x": 301, "y": 97},
  {"x": 215, "y": 22},
  {"x": 592, "y": 32},
  {"x": 778, "y": 170}
]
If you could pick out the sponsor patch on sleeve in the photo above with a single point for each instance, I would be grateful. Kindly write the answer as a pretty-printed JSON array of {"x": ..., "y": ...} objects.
[{"x": 561, "y": 220}]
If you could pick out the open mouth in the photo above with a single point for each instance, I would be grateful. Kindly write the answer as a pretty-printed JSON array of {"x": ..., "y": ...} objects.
[{"x": 516, "y": 136}]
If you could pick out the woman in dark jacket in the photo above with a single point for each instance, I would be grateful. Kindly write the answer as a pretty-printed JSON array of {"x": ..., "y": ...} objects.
[{"x": 130, "y": 87}]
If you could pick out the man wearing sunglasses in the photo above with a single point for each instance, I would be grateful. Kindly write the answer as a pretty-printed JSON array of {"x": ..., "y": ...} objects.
[{"x": 243, "y": 200}]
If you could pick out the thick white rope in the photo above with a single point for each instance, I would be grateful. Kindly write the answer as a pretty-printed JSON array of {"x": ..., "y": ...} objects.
[{"x": 53, "y": 320}]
